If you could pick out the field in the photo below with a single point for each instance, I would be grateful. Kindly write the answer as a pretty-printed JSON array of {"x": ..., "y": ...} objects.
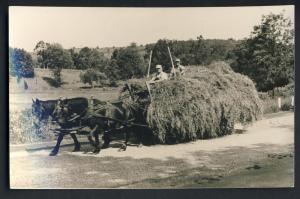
[
  {"x": 248, "y": 158},
  {"x": 38, "y": 87}
]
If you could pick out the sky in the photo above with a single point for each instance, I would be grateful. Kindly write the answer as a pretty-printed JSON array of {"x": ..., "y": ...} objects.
[{"x": 106, "y": 27}]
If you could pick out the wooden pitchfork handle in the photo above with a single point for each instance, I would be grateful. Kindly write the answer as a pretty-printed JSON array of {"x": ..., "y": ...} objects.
[{"x": 148, "y": 87}]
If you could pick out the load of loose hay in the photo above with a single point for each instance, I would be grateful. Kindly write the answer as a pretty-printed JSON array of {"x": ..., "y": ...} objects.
[{"x": 201, "y": 105}]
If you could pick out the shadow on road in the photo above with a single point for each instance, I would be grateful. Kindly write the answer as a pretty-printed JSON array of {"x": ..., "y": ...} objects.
[{"x": 264, "y": 165}]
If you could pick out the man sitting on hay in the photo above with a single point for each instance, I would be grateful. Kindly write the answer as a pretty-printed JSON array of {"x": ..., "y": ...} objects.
[
  {"x": 160, "y": 75},
  {"x": 178, "y": 69}
]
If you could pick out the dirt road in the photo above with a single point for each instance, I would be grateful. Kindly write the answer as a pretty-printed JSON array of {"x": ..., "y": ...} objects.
[{"x": 261, "y": 156}]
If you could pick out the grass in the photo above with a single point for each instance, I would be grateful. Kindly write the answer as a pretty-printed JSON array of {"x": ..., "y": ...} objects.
[
  {"x": 52, "y": 82},
  {"x": 43, "y": 81},
  {"x": 270, "y": 105}
]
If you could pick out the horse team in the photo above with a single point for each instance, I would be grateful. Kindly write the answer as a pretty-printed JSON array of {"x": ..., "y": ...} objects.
[{"x": 75, "y": 117}]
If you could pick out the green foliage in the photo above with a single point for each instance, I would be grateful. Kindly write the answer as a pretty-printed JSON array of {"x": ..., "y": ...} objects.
[
  {"x": 89, "y": 58},
  {"x": 286, "y": 104},
  {"x": 160, "y": 55},
  {"x": 191, "y": 52},
  {"x": 75, "y": 58},
  {"x": 270, "y": 105},
  {"x": 285, "y": 91},
  {"x": 20, "y": 63},
  {"x": 54, "y": 57},
  {"x": 57, "y": 75},
  {"x": 131, "y": 61},
  {"x": 267, "y": 56},
  {"x": 126, "y": 63},
  {"x": 91, "y": 75},
  {"x": 270, "y": 99}
]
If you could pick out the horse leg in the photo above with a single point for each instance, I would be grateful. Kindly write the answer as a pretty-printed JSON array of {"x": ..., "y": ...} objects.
[
  {"x": 90, "y": 138},
  {"x": 106, "y": 139},
  {"x": 127, "y": 135},
  {"x": 97, "y": 143},
  {"x": 56, "y": 148},
  {"x": 77, "y": 144},
  {"x": 139, "y": 136},
  {"x": 106, "y": 135}
]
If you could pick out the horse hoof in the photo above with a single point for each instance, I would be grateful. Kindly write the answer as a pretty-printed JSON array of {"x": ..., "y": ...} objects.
[
  {"x": 105, "y": 146},
  {"x": 53, "y": 153},
  {"x": 76, "y": 150},
  {"x": 96, "y": 151},
  {"x": 122, "y": 148},
  {"x": 140, "y": 145}
]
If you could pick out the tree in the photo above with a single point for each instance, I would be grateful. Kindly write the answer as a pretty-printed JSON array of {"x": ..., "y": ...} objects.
[
  {"x": 267, "y": 56},
  {"x": 75, "y": 57},
  {"x": 160, "y": 55},
  {"x": 202, "y": 51},
  {"x": 91, "y": 75},
  {"x": 90, "y": 58},
  {"x": 191, "y": 52},
  {"x": 54, "y": 57},
  {"x": 20, "y": 63},
  {"x": 127, "y": 63},
  {"x": 112, "y": 70}
]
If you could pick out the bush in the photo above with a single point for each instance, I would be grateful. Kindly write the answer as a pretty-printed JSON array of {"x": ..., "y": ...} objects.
[
  {"x": 57, "y": 76},
  {"x": 90, "y": 76},
  {"x": 286, "y": 107},
  {"x": 206, "y": 105},
  {"x": 285, "y": 91},
  {"x": 263, "y": 96},
  {"x": 22, "y": 129},
  {"x": 270, "y": 105},
  {"x": 113, "y": 83}
]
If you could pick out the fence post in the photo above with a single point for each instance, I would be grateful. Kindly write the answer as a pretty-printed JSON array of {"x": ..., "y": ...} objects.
[{"x": 279, "y": 102}]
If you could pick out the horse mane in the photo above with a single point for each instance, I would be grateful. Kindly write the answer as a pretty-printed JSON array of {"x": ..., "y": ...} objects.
[{"x": 47, "y": 103}]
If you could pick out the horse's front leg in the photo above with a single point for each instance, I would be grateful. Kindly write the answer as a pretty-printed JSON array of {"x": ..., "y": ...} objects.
[
  {"x": 106, "y": 139},
  {"x": 97, "y": 143},
  {"x": 77, "y": 144},
  {"x": 95, "y": 133},
  {"x": 56, "y": 148},
  {"x": 138, "y": 132},
  {"x": 127, "y": 136}
]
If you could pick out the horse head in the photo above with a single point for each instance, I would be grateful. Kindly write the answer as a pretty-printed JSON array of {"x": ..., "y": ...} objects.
[
  {"x": 37, "y": 111},
  {"x": 35, "y": 107},
  {"x": 136, "y": 92}
]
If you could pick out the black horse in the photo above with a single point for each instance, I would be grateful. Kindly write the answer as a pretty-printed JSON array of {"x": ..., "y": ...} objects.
[
  {"x": 128, "y": 114},
  {"x": 42, "y": 110}
]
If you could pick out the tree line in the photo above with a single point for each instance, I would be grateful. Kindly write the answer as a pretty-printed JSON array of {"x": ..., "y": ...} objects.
[{"x": 266, "y": 56}]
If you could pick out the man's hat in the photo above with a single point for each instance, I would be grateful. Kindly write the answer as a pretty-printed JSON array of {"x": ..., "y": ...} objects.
[
  {"x": 177, "y": 60},
  {"x": 158, "y": 66}
]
